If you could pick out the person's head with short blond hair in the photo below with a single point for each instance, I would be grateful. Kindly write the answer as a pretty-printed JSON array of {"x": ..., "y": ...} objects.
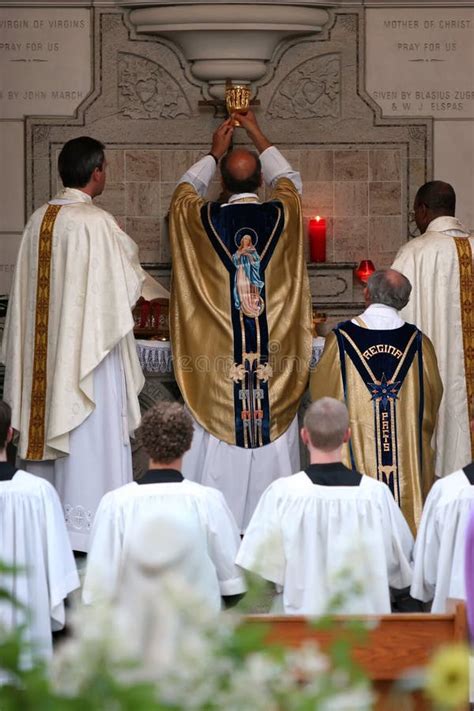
[
  {"x": 326, "y": 425},
  {"x": 166, "y": 432}
]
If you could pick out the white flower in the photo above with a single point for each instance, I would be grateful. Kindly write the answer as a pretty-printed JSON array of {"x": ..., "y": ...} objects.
[
  {"x": 355, "y": 699},
  {"x": 97, "y": 639},
  {"x": 249, "y": 686},
  {"x": 307, "y": 662}
]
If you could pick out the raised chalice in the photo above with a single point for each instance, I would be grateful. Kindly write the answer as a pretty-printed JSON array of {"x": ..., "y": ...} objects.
[{"x": 237, "y": 99}]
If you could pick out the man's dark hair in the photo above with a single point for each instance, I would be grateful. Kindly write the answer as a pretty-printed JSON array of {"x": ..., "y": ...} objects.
[
  {"x": 166, "y": 431},
  {"x": 249, "y": 185},
  {"x": 5, "y": 422},
  {"x": 439, "y": 197},
  {"x": 78, "y": 160}
]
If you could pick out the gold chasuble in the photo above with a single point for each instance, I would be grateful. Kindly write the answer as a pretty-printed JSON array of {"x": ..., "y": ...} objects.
[
  {"x": 240, "y": 313},
  {"x": 390, "y": 383}
]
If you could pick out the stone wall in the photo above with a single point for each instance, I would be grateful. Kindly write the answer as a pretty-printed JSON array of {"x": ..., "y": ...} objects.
[
  {"x": 359, "y": 187},
  {"x": 420, "y": 62},
  {"x": 360, "y": 170},
  {"x": 336, "y": 103}
]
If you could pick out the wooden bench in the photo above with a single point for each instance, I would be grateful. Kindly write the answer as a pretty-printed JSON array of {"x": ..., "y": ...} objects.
[{"x": 394, "y": 644}]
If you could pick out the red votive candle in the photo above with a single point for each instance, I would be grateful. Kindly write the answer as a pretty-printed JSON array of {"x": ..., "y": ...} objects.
[
  {"x": 365, "y": 270},
  {"x": 317, "y": 239}
]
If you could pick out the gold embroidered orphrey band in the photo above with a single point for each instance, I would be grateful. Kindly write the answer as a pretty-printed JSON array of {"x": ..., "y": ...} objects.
[
  {"x": 40, "y": 356},
  {"x": 466, "y": 274}
]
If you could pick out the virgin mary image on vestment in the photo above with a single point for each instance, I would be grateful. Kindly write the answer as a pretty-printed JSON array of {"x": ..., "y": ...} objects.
[{"x": 247, "y": 282}]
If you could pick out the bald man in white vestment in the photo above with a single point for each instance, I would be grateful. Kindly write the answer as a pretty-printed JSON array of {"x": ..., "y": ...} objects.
[
  {"x": 438, "y": 572},
  {"x": 328, "y": 532},
  {"x": 166, "y": 434},
  {"x": 439, "y": 265},
  {"x": 72, "y": 372},
  {"x": 33, "y": 538}
]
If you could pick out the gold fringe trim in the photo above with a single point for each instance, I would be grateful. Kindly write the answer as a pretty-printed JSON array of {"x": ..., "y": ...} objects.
[
  {"x": 36, "y": 435},
  {"x": 466, "y": 278}
]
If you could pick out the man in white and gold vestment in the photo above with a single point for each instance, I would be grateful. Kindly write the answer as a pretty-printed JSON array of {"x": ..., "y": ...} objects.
[
  {"x": 439, "y": 265},
  {"x": 72, "y": 372},
  {"x": 386, "y": 372},
  {"x": 240, "y": 317}
]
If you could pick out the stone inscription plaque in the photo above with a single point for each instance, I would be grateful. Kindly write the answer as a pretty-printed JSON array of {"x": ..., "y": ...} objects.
[
  {"x": 421, "y": 62},
  {"x": 45, "y": 59}
]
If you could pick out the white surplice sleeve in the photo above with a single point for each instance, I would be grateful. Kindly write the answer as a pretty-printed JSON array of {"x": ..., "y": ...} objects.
[
  {"x": 223, "y": 542},
  {"x": 61, "y": 566},
  {"x": 262, "y": 550},
  {"x": 105, "y": 553},
  {"x": 398, "y": 542}
]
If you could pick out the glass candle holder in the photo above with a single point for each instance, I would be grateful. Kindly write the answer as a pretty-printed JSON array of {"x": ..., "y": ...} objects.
[{"x": 364, "y": 270}]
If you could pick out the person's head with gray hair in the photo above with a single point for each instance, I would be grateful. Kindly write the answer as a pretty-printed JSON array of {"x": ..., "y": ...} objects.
[
  {"x": 388, "y": 287},
  {"x": 326, "y": 427}
]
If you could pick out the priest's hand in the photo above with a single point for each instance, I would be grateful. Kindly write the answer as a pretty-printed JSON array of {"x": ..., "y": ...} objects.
[
  {"x": 254, "y": 132},
  {"x": 222, "y": 138}
]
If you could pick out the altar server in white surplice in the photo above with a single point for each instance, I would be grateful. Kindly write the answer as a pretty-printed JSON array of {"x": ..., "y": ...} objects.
[
  {"x": 329, "y": 532},
  {"x": 439, "y": 265},
  {"x": 166, "y": 435},
  {"x": 33, "y": 538},
  {"x": 438, "y": 573},
  {"x": 72, "y": 372}
]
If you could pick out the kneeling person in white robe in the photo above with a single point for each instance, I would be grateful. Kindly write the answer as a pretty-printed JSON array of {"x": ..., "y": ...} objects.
[
  {"x": 34, "y": 540},
  {"x": 166, "y": 435},
  {"x": 438, "y": 572},
  {"x": 329, "y": 532}
]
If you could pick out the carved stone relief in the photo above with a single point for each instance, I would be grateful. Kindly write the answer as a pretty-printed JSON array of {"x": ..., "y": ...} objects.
[
  {"x": 417, "y": 133},
  {"x": 311, "y": 90},
  {"x": 359, "y": 169},
  {"x": 147, "y": 90},
  {"x": 332, "y": 287},
  {"x": 348, "y": 22},
  {"x": 41, "y": 133}
]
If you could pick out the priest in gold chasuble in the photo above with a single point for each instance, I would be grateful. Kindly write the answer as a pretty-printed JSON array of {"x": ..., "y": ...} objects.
[
  {"x": 386, "y": 372},
  {"x": 240, "y": 313}
]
